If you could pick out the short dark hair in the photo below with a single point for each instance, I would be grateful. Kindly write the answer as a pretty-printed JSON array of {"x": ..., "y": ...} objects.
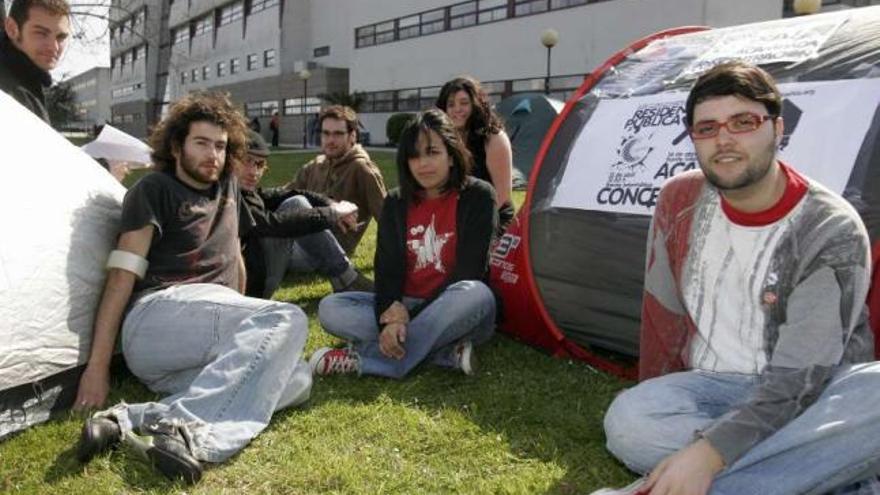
[
  {"x": 736, "y": 78},
  {"x": 431, "y": 120},
  {"x": 20, "y": 9},
  {"x": 214, "y": 107},
  {"x": 340, "y": 112}
]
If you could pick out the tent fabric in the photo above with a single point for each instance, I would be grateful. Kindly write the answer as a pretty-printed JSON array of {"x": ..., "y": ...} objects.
[
  {"x": 527, "y": 117},
  {"x": 59, "y": 215},
  {"x": 571, "y": 277}
]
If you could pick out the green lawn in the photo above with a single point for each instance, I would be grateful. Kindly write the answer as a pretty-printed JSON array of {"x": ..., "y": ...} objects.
[{"x": 526, "y": 423}]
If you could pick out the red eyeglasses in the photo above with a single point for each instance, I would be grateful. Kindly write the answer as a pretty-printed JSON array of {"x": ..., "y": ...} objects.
[{"x": 736, "y": 124}]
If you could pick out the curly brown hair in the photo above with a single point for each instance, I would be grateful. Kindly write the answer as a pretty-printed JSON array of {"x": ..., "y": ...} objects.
[{"x": 214, "y": 107}]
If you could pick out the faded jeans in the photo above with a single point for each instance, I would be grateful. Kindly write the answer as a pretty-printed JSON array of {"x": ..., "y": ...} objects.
[
  {"x": 226, "y": 361},
  {"x": 464, "y": 311},
  {"x": 319, "y": 252},
  {"x": 834, "y": 443}
]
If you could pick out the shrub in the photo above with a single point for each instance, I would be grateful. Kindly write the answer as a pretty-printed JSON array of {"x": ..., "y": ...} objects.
[{"x": 394, "y": 126}]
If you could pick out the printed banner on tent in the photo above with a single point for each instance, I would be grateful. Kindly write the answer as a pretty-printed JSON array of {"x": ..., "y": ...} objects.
[
  {"x": 629, "y": 147},
  {"x": 772, "y": 44}
]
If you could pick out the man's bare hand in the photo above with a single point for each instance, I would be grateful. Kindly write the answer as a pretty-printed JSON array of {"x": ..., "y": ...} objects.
[
  {"x": 689, "y": 471},
  {"x": 94, "y": 385},
  {"x": 346, "y": 214}
]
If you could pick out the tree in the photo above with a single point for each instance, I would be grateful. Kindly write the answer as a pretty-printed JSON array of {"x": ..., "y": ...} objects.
[
  {"x": 61, "y": 104},
  {"x": 354, "y": 100}
]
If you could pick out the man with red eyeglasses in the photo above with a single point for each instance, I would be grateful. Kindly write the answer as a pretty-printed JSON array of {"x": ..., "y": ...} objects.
[{"x": 755, "y": 348}]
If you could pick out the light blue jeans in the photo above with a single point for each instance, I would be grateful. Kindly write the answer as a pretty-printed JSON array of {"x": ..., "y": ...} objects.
[
  {"x": 464, "y": 311},
  {"x": 319, "y": 252},
  {"x": 834, "y": 443},
  {"x": 226, "y": 361}
]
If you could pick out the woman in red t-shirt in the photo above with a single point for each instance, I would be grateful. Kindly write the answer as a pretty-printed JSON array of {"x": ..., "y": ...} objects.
[{"x": 432, "y": 254}]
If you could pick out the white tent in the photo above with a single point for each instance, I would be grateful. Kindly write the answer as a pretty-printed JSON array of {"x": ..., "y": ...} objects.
[{"x": 59, "y": 217}]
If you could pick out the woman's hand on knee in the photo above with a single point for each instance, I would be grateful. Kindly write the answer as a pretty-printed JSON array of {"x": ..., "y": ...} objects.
[
  {"x": 396, "y": 313},
  {"x": 391, "y": 340}
]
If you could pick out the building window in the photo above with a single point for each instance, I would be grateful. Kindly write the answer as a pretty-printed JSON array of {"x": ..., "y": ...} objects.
[
  {"x": 235, "y": 66},
  {"x": 492, "y": 10},
  {"x": 204, "y": 25},
  {"x": 221, "y": 69},
  {"x": 295, "y": 106},
  {"x": 140, "y": 52},
  {"x": 261, "y": 108},
  {"x": 259, "y": 5},
  {"x": 231, "y": 13},
  {"x": 269, "y": 58},
  {"x": 428, "y": 96},
  {"x": 528, "y": 7},
  {"x": 561, "y": 4},
  {"x": 365, "y": 36},
  {"x": 321, "y": 51},
  {"x": 384, "y": 32},
  {"x": 252, "y": 61},
  {"x": 463, "y": 15},
  {"x": 183, "y": 78},
  {"x": 432, "y": 21},
  {"x": 195, "y": 75},
  {"x": 408, "y": 27},
  {"x": 408, "y": 100},
  {"x": 206, "y": 73},
  {"x": 181, "y": 34}
]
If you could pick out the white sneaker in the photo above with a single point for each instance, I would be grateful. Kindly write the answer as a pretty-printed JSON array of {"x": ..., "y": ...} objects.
[
  {"x": 631, "y": 489},
  {"x": 465, "y": 357},
  {"x": 328, "y": 361}
]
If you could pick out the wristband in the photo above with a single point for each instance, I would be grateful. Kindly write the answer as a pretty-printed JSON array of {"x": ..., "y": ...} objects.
[{"x": 129, "y": 262}]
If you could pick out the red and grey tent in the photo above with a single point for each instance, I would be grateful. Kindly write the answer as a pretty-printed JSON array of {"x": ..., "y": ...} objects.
[{"x": 570, "y": 269}]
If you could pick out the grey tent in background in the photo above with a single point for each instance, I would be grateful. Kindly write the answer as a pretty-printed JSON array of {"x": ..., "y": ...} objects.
[{"x": 527, "y": 118}]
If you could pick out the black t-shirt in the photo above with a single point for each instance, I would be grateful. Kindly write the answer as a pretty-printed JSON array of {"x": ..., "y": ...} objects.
[{"x": 196, "y": 235}]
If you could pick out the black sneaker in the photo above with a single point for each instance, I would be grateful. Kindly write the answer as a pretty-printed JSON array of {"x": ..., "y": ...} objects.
[
  {"x": 99, "y": 434},
  {"x": 360, "y": 284},
  {"x": 167, "y": 450},
  {"x": 171, "y": 456}
]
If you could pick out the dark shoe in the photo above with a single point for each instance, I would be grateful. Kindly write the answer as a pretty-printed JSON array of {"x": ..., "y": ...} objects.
[
  {"x": 360, "y": 284},
  {"x": 170, "y": 455},
  {"x": 99, "y": 434}
]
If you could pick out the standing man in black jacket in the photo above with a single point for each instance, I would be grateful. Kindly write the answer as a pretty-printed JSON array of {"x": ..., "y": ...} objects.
[
  {"x": 36, "y": 33},
  {"x": 289, "y": 231}
]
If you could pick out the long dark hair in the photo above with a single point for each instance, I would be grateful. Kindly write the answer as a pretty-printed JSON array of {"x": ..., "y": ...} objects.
[
  {"x": 483, "y": 121},
  {"x": 431, "y": 120}
]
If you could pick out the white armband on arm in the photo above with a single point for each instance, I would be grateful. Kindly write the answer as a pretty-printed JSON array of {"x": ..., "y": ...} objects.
[{"x": 129, "y": 262}]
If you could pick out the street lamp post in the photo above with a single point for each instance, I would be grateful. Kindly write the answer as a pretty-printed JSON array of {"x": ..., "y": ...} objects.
[
  {"x": 305, "y": 74},
  {"x": 549, "y": 38}
]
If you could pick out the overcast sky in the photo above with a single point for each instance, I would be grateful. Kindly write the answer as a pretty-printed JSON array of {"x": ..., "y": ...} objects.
[{"x": 90, "y": 46}]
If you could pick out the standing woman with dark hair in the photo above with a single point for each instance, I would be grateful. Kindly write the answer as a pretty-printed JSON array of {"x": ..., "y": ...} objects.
[
  {"x": 431, "y": 257},
  {"x": 482, "y": 130}
]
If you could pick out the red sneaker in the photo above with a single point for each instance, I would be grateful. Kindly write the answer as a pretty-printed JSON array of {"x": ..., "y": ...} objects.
[{"x": 327, "y": 361}]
